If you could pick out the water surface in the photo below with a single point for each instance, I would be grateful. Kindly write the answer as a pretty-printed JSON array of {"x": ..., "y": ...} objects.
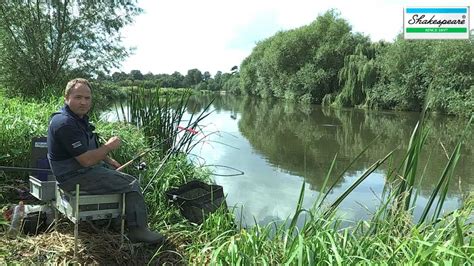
[{"x": 279, "y": 145}]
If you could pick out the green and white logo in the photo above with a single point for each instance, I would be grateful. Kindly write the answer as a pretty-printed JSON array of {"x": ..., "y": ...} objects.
[{"x": 436, "y": 23}]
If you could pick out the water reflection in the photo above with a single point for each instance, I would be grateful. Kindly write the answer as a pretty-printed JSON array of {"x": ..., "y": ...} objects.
[{"x": 281, "y": 144}]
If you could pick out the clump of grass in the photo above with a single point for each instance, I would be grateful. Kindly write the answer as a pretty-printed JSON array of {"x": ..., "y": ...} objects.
[
  {"x": 20, "y": 121},
  {"x": 321, "y": 241},
  {"x": 158, "y": 114}
]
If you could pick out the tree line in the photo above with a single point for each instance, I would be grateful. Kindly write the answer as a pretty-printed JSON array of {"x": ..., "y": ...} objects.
[
  {"x": 326, "y": 63},
  {"x": 194, "y": 78}
]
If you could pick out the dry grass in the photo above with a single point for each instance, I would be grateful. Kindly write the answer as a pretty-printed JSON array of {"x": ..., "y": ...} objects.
[{"x": 94, "y": 247}]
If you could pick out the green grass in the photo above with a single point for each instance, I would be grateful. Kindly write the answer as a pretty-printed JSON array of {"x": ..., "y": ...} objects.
[
  {"x": 20, "y": 121},
  {"x": 321, "y": 241}
]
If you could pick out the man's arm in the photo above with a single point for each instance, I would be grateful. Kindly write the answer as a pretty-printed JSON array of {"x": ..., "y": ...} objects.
[{"x": 92, "y": 157}]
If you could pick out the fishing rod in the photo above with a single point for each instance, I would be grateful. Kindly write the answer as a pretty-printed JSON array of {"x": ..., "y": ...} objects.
[
  {"x": 181, "y": 129},
  {"x": 189, "y": 128},
  {"x": 24, "y": 169}
]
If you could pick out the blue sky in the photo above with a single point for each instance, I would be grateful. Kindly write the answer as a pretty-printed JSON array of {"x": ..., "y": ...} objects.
[{"x": 213, "y": 35}]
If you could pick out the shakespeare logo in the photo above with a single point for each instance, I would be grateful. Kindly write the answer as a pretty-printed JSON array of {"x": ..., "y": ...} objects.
[{"x": 436, "y": 23}]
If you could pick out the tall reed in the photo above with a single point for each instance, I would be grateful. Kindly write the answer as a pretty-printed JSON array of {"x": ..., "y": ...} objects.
[{"x": 160, "y": 115}]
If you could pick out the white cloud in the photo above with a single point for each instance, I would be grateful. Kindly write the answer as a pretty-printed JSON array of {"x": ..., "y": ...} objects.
[{"x": 215, "y": 35}]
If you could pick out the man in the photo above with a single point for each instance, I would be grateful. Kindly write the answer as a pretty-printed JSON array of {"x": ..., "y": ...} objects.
[{"x": 76, "y": 158}]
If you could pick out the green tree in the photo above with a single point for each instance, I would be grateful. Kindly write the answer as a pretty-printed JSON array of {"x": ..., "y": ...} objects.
[
  {"x": 358, "y": 75},
  {"x": 212, "y": 85},
  {"x": 300, "y": 64},
  {"x": 404, "y": 75},
  {"x": 136, "y": 75},
  {"x": 411, "y": 73},
  {"x": 119, "y": 76},
  {"x": 176, "y": 80},
  {"x": 149, "y": 76},
  {"x": 206, "y": 76},
  {"x": 231, "y": 84},
  {"x": 194, "y": 77},
  {"x": 217, "y": 78},
  {"x": 43, "y": 43},
  {"x": 451, "y": 67}
]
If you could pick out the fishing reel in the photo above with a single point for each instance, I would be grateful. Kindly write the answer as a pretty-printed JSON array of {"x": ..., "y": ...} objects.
[{"x": 141, "y": 166}]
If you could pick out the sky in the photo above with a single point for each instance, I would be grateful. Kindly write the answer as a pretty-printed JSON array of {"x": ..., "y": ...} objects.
[{"x": 213, "y": 35}]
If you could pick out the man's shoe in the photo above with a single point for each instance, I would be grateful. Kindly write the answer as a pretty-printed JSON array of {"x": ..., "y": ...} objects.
[{"x": 143, "y": 234}]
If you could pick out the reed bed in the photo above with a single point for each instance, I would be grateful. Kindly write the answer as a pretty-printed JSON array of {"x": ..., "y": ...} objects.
[
  {"x": 20, "y": 121},
  {"x": 160, "y": 116}
]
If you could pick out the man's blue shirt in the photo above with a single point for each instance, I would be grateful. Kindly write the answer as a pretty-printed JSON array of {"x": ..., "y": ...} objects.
[{"x": 68, "y": 136}]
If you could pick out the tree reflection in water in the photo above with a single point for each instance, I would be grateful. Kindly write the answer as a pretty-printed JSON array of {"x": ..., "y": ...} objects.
[{"x": 285, "y": 135}]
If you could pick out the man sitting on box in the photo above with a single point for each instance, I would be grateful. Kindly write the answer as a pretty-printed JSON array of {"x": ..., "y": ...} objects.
[{"x": 76, "y": 158}]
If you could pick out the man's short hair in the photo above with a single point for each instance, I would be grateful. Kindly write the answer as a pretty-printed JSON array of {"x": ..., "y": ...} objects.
[{"x": 72, "y": 83}]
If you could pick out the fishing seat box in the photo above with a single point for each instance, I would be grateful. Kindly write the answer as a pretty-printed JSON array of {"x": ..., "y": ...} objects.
[
  {"x": 43, "y": 190},
  {"x": 196, "y": 199},
  {"x": 43, "y": 186},
  {"x": 91, "y": 207}
]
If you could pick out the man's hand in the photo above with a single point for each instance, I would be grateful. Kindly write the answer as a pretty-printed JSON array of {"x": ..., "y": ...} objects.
[
  {"x": 93, "y": 157},
  {"x": 113, "y": 143},
  {"x": 113, "y": 162}
]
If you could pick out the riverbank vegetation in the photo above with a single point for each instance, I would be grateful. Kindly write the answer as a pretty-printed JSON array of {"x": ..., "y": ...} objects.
[{"x": 326, "y": 63}]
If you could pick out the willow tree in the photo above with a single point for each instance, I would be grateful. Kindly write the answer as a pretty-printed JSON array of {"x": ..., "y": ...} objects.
[
  {"x": 42, "y": 41},
  {"x": 300, "y": 64},
  {"x": 356, "y": 76}
]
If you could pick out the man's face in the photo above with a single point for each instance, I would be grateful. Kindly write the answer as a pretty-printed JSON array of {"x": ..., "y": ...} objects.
[{"x": 79, "y": 99}]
